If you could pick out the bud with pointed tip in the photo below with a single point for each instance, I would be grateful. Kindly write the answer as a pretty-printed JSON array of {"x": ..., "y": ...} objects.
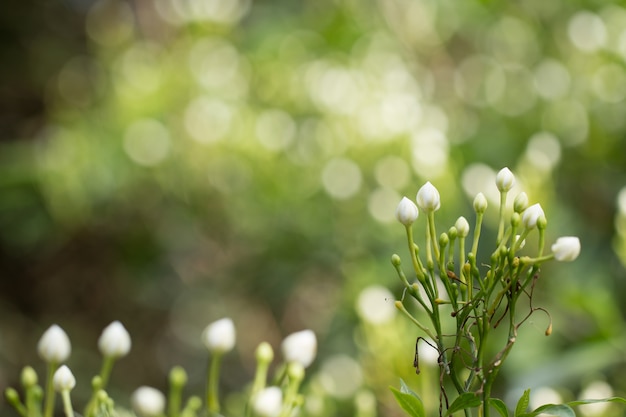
[
  {"x": 407, "y": 212},
  {"x": 566, "y": 248},
  {"x": 531, "y": 215},
  {"x": 219, "y": 336},
  {"x": 427, "y": 198},
  {"x": 520, "y": 203},
  {"x": 54, "y": 345},
  {"x": 63, "y": 379},
  {"x": 300, "y": 347},
  {"x": 480, "y": 203},
  {"x": 268, "y": 402},
  {"x": 148, "y": 401},
  {"x": 505, "y": 180},
  {"x": 114, "y": 340},
  {"x": 462, "y": 227}
]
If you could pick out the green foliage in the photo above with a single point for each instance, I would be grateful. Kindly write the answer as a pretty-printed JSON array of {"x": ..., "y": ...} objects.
[
  {"x": 409, "y": 400},
  {"x": 522, "y": 404}
]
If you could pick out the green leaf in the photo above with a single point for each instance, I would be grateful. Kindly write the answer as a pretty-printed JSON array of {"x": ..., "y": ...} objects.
[
  {"x": 604, "y": 400},
  {"x": 556, "y": 410},
  {"x": 408, "y": 400},
  {"x": 499, "y": 405},
  {"x": 464, "y": 401},
  {"x": 522, "y": 404}
]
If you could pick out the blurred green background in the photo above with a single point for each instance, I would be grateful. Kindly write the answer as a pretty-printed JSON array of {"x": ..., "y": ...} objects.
[{"x": 167, "y": 163}]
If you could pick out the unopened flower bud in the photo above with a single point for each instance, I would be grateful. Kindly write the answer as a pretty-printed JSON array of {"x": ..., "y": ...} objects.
[
  {"x": 219, "y": 336},
  {"x": 148, "y": 401},
  {"x": 443, "y": 240},
  {"x": 268, "y": 402},
  {"x": 178, "y": 376},
  {"x": 54, "y": 345},
  {"x": 264, "y": 353},
  {"x": 428, "y": 198},
  {"x": 300, "y": 347},
  {"x": 566, "y": 248},
  {"x": 480, "y": 203},
  {"x": 29, "y": 377},
  {"x": 395, "y": 260},
  {"x": 63, "y": 379},
  {"x": 531, "y": 215},
  {"x": 505, "y": 180},
  {"x": 520, "y": 203},
  {"x": 114, "y": 340},
  {"x": 407, "y": 212},
  {"x": 453, "y": 233},
  {"x": 462, "y": 226}
]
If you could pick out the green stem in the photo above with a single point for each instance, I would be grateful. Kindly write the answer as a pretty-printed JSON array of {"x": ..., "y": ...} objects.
[
  {"x": 501, "y": 225},
  {"x": 212, "y": 399},
  {"x": 67, "y": 403},
  {"x": 425, "y": 329},
  {"x": 105, "y": 371},
  {"x": 49, "y": 400},
  {"x": 433, "y": 233},
  {"x": 419, "y": 271},
  {"x": 479, "y": 222}
]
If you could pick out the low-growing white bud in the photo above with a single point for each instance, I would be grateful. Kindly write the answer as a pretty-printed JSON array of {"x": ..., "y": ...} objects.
[
  {"x": 462, "y": 226},
  {"x": 407, "y": 212},
  {"x": 531, "y": 215},
  {"x": 505, "y": 180},
  {"x": 148, "y": 401},
  {"x": 114, "y": 340},
  {"x": 566, "y": 248},
  {"x": 427, "y": 198},
  {"x": 54, "y": 345},
  {"x": 268, "y": 402},
  {"x": 300, "y": 347},
  {"x": 219, "y": 336},
  {"x": 63, "y": 379}
]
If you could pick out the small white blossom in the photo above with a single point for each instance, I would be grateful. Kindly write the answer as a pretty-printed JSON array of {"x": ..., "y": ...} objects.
[
  {"x": 300, "y": 347},
  {"x": 505, "y": 180},
  {"x": 531, "y": 215},
  {"x": 114, "y": 340},
  {"x": 480, "y": 203},
  {"x": 427, "y": 198},
  {"x": 462, "y": 226},
  {"x": 54, "y": 345},
  {"x": 63, "y": 379},
  {"x": 407, "y": 212},
  {"x": 219, "y": 336},
  {"x": 268, "y": 402},
  {"x": 148, "y": 401},
  {"x": 566, "y": 248}
]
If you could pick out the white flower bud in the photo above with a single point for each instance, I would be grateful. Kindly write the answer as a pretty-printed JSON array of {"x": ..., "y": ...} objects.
[
  {"x": 462, "y": 227},
  {"x": 54, "y": 345},
  {"x": 148, "y": 401},
  {"x": 427, "y": 198},
  {"x": 531, "y": 215},
  {"x": 63, "y": 379},
  {"x": 407, "y": 212},
  {"x": 114, "y": 340},
  {"x": 520, "y": 203},
  {"x": 505, "y": 180},
  {"x": 219, "y": 336},
  {"x": 268, "y": 402},
  {"x": 300, "y": 347},
  {"x": 480, "y": 203},
  {"x": 566, "y": 248}
]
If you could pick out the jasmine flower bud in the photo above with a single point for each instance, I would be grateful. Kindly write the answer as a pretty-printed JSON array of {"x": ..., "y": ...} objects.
[
  {"x": 566, "y": 248},
  {"x": 264, "y": 353},
  {"x": 462, "y": 227},
  {"x": 531, "y": 215},
  {"x": 300, "y": 347},
  {"x": 520, "y": 203},
  {"x": 268, "y": 402},
  {"x": 63, "y": 379},
  {"x": 428, "y": 198},
  {"x": 407, "y": 212},
  {"x": 219, "y": 336},
  {"x": 505, "y": 180},
  {"x": 148, "y": 401},
  {"x": 480, "y": 203},
  {"x": 54, "y": 345},
  {"x": 114, "y": 340}
]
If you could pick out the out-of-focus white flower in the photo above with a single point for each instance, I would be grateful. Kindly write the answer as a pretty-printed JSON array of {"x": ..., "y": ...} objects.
[
  {"x": 480, "y": 203},
  {"x": 376, "y": 305},
  {"x": 531, "y": 215},
  {"x": 462, "y": 226},
  {"x": 63, "y": 379},
  {"x": 407, "y": 211},
  {"x": 54, "y": 345},
  {"x": 114, "y": 340},
  {"x": 566, "y": 248},
  {"x": 219, "y": 336},
  {"x": 268, "y": 402},
  {"x": 427, "y": 198},
  {"x": 521, "y": 202},
  {"x": 148, "y": 401},
  {"x": 505, "y": 180},
  {"x": 300, "y": 347}
]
